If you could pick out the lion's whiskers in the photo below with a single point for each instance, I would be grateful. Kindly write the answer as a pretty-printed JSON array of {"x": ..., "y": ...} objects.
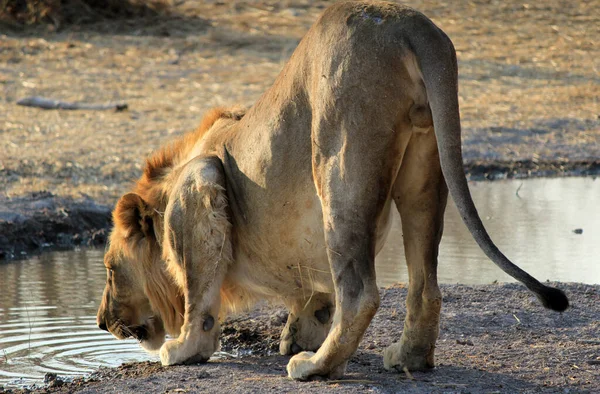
[
  {"x": 311, "y": 280},
  {"x": 124, "y": 330},
  {"x": 301, "y": 281},
  {"x": 312, "y": 287}
]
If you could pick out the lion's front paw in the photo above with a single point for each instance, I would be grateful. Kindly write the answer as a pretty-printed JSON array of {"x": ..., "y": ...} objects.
[
  {"x": 304, "y": 366},
  {"x": 400, "y": 356},
  {"x": 301, "y": 367},
  {"x": 175, "y": 352}
]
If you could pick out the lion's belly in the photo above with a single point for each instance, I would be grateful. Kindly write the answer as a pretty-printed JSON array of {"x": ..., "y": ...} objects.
[
  {"x": 284, "y": 254},
  {"x": 291, "y": 260}
]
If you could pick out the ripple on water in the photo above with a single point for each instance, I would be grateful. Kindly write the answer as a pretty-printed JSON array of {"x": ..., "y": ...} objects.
[
  {"x": 49, "y": 325},
  {"x": 61, "y": 346}
]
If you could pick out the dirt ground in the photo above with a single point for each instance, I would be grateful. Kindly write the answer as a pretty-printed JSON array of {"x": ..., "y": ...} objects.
[
  {"x": 493, "y": 339},
  {"x": 529, "y": 95},
  {"x": 529, "y": 85}
]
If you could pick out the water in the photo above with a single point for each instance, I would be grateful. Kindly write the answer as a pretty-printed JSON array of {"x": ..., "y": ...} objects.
[
  {"x": 534, "y": 228},
  {"x": 48, "y": 304},
  {"x": 48, "y": 319}
]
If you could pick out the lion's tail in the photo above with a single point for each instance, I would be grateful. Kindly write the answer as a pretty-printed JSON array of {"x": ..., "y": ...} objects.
[{"x": 437, "y": 60}]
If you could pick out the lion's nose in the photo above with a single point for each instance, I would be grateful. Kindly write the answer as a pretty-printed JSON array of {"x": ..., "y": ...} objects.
[{"x": 102, "y": 326}]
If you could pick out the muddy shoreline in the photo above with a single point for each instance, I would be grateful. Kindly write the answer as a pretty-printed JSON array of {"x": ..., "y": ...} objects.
[
  {"x": 41, "y": 222},
  {"x": 493, "y": 339}
]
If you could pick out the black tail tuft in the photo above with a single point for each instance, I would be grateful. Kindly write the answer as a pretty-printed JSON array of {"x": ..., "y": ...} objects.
[{"x": 553, "y": 298}]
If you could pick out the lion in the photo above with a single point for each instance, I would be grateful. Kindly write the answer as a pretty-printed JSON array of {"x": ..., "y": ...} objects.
[{"x": 291, "y": 201}]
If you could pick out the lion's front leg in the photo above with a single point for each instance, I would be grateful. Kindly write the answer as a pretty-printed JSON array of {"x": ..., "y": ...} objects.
[
  {"x": 350, "y": 186},
  {"x": 357, "y": 300},
  {"x": 308, "y": 323},
  {"x": 197, "y": 244}
]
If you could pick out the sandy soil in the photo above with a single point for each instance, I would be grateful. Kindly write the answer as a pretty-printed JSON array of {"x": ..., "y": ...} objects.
[
  {"x": 493, "y": 339},
  {"x": 529, "y": 93}
]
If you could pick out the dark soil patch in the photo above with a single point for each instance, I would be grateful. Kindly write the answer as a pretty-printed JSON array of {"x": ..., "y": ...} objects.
[
  {"x": 27, "y": 12},
  {"x": 42, "y": 221},
  {"x": 499, "y": 169},
  {"x": 494, "y": 339}
]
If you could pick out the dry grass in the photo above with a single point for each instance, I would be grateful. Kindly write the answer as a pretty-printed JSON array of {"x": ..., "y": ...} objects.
[
  {"x": 59, "y": 12},
  {"x": 529, "y": 83}
]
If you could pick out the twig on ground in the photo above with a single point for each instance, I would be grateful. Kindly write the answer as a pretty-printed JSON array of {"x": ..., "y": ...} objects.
[
  {"x": 517, "y": 319},
  {"x": 519, "y": 188},
  {"x": 46, "y": 103},
  {"x": 361, "y": 381},
  {"x": 449, "y": 385},
  {"x": 588, "y": 342}
]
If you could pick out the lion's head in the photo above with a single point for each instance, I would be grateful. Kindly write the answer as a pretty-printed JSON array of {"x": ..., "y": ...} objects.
[{"x": 140, "y": 300}]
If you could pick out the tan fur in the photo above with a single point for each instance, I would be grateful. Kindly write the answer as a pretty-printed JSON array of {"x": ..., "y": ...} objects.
[{"x": 292, "y": 201}]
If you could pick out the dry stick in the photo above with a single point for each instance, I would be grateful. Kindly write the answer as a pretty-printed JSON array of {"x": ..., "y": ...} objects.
[
  {"x": 46, "y": 103},
  {"x": 450, "y": 385},
  {"x": 351, "y": 381},
  {"x": 516, "y": 318},
  {"x": 519, "y": 188},
  {"x": 588, "y": 342}
]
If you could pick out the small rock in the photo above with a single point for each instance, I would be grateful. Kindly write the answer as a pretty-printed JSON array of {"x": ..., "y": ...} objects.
[
  {"x": 53, "y": 380},
  {"x": 578, "y": 231},
  {"x": 49, "y": 377},
  {"x": 467, "y": 342},
  {"x": 278, "y": 318},
  {"x": 202, "y": 375}
]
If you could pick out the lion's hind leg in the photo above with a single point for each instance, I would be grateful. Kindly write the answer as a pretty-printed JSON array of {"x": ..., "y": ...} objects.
[
  {"x": 197, "y": 244},
  {"x": 308, "y": 323},
  {"x": 420, "y": 194}
]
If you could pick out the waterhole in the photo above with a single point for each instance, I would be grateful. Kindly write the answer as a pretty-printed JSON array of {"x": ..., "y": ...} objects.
[{"x": 550, "y": 227}]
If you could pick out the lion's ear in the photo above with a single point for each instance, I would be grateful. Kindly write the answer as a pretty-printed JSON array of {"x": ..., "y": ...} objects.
[{"x": 132, "y": 214}]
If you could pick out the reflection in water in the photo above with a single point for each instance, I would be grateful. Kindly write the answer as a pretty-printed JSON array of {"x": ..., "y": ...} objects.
[
  {"x": 48, "y": 304},
  {"x": 534, "y": 229}
]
